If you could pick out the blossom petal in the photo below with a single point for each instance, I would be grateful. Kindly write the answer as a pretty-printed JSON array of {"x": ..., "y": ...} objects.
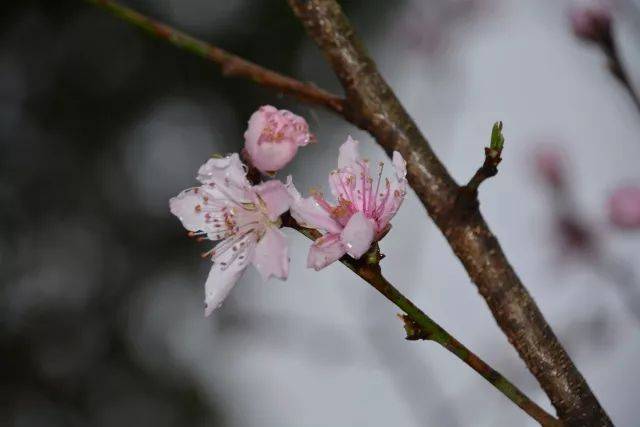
[
  {"x": 272, "y": 156},
  {"x": 256, "y": 125},
  {"x": 273, "y": 137},
  {"x": 309, "y": 213},
  {"x": 324, "y": 251},
  {"x": 227, "y": 268},
  {"x": 187, "y": 206},
  {"x": 400, "y": 165},
  {"x": 219, "y": 283},
  {"x": 348, "y": 153},
  {"x": 358, "y": 234},
  {"x": 225, "y": 171},
  {"x": 342, "y": 184},
  {"x": 391, "y": 206},
  {"x": 624, "y": 207},
  {"x": 271, "y": 256},
  {"x": 275, "y": 196}
]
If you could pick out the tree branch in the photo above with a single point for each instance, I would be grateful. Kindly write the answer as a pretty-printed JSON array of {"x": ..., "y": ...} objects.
[
  {"x": 417, "y": 324},
  {"x": 608, "y": 46},
  {"x": 372, "y": 105},
  {"x": 420, "y": 326},
  {"x": 231, "y": 65}
]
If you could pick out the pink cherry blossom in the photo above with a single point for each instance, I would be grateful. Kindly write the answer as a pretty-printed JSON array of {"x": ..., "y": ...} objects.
[
  {"x": 273, "y": 137},
  {"x": 591, "y": 19},
  {"x": 363, "y": 210},
  {"x": 549, "y": 163},
  {"x": 624, "y": 207},
  {"x": 243, "y": 219}
]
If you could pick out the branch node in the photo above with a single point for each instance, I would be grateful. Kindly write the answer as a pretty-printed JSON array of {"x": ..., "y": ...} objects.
[
  {"x": 412, "y": 329},
  {"x": 468, "y": 195},
  {"x": 373, "y": 256}
]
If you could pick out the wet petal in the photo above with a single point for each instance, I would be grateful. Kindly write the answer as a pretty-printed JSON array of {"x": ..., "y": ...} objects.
[
  {"x": 299, "y": 129},
  {"x": 342, "y": 185},
  {"x": 187, "y": 206},
  {"x": 219, "y": 284},
  {"x": 400, "y": 166},
  {"x": 271, "y": 255},
  {"x": 275, "y": 196},
  {"x": 257, "y": 123},
  {"x": 273, "y": 156},
  {"x": 227, "y": 269},
  {"x": 348, "y": 153},
  {"x": 358, "y": 234},
  {"x": 309, "y": 213},
  {"x": 397, "y": 193},
  {"x": 273, "y": 137},
  {"x": 325, "y": 251},
  {"x": 224, "y": 171}
]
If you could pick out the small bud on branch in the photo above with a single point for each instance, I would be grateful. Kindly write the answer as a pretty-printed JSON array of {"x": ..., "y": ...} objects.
[{"x": 468, "y": 194}]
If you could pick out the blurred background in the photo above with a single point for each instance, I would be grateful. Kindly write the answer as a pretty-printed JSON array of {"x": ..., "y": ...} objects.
[{"x": 101, "y": 292}]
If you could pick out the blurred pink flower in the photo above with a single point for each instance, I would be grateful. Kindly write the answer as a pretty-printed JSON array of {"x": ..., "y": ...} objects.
[
  {"x": 550, "y": 165},
  {"x": 273, "y": 137},
  {"x": 591, "y": 19},
  {"x": 624, "y": 207},
  {"x": 243, "y": 219},
  {"x": 363, "y": 210}
]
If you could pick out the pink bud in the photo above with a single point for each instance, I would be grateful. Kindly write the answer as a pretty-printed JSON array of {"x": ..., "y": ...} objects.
[
  {"x": 624, "y": 207},
  {"x": 273, "y": 137},
  {"x": 591, "y": 21},
  {"x": 549, "y": 165}
]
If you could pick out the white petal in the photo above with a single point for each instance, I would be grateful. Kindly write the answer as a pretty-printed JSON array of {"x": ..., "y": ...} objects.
[
  {"x": 342, "y": 185},
  {"x": 275, "y": 196},
  {"x": 218, "y": 285},
  {"x": 271, "y": 256},
  {"x": 358, "y": 234},
  {"x": 310, "y": 214},
  {"x": 325, "y": 251},
  {"x": 187, "y": 206},
  {"x": 398, "y": 191},
  {"x": 348, "y": 153},
  {"x": 226, "y": 271},
  {"x": 228, "y": 168},
  {"x": 255, "y": 126},
  {"x": 400, "y": 165}
]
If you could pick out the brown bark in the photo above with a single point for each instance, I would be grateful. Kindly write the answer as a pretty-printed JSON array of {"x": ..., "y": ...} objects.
[{"x": 373, "y": 106}]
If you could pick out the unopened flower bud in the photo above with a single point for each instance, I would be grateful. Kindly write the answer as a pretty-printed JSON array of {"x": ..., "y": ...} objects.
[
  {"x": 273, "y": 137},
  {"x": 624, "y": 207},
  {"x": 591, "y": 21}
]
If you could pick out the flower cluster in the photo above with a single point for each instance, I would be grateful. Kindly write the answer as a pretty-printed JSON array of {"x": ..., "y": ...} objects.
[
  {"x": 244, "y": 219},
  {"x": 363, "y": 210}
]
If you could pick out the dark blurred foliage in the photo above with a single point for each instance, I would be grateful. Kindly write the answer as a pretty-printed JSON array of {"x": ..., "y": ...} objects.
[{"x": 76, "y": 240}]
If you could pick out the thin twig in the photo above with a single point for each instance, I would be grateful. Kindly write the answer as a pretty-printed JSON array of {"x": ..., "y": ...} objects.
[
  {"x": 372, "y": 105},
  {"x": 578, "y": 236},
  {"x": 468, "y": 196},
  {"x": 231, "y": 65},
  {"x": 608, "y": 46},
  {"x": 417, "y": 324},
  {"x": 423, "y": 327}
]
